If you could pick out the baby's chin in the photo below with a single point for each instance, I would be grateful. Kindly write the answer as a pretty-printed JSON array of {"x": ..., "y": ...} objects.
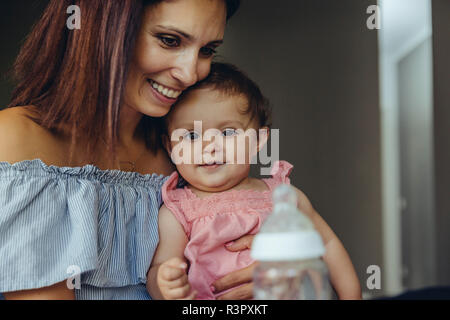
[
  {"x": 212, "y": 187},
  {"x": 213, "y": 184}
]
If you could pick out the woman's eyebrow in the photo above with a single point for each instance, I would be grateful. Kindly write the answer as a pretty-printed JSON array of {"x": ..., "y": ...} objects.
[{"x": 186, "y": 35}]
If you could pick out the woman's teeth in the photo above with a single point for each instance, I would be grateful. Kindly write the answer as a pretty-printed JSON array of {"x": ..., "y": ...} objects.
[{"x": 169, "y": 93}]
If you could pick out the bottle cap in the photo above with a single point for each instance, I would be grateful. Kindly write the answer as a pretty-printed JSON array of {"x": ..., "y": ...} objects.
[
  {"x": 287, "y": 234},
  {"x": 287, "y": 246}
]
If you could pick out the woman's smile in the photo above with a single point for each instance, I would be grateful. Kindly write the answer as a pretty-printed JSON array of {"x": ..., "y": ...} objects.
[
  {"x": 164, "y": 90},
  {"x": 163, "y": 94}
]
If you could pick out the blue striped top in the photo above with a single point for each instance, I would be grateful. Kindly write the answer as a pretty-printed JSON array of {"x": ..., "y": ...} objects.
[{"x": 56, "y": 221}]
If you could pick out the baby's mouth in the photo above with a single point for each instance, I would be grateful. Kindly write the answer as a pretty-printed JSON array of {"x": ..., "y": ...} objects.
[{"x": 211, "y": 165}]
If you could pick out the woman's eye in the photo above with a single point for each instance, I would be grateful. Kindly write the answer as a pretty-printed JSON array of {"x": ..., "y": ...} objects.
[
  {"x": 207, "y": 52},
  {"x": 169, "y": 41},
  {"x": 191, "y": 136},
  {"x": 229, "y": 132}
]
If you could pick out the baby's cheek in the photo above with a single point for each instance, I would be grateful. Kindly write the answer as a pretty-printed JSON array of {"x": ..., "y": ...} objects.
[
  {"x": 187, "y": 172},
  {"x": 244, "y": 149},
  {"x": 186, "y": 153}
]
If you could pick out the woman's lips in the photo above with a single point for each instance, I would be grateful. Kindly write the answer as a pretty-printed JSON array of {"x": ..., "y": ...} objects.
[
  {"x": 168, "y": 92},
  {"x": 161, "y": 97}
]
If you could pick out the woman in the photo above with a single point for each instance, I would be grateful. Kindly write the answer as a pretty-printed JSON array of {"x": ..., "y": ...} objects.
[{"x": 81, "y": 163}]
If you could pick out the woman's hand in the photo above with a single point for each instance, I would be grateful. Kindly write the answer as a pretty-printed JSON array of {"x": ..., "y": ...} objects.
[{"x": 243, "y": 277}]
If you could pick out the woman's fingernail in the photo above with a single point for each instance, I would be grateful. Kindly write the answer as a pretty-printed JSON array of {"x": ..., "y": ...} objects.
[
  {"x": 212, "y": 288},
  {"x": 183, "y": 265},
  {"x": 229, "y": 244}
]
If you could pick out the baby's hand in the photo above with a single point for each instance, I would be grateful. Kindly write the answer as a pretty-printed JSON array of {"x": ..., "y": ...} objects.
[{"x": 173, "y": 280}]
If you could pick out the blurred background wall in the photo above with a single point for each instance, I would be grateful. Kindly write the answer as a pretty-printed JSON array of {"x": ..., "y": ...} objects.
[
  {"x": 416, "y": 156},
  {"x": 441, "y": 49},
  {"x": 317, "y": 62},
  {"x": 406, "y": 73},
  {"x": 17, "y": 17}
]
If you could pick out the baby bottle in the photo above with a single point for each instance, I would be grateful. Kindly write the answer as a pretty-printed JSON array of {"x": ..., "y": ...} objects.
[{"x": 289, "y": 252}]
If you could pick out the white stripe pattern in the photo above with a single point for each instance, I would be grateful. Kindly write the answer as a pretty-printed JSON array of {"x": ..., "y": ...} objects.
[{"x": 103, "y": 221}]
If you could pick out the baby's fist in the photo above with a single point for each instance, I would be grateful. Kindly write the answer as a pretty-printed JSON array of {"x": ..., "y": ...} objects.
[{"x": 173, "y": 280}]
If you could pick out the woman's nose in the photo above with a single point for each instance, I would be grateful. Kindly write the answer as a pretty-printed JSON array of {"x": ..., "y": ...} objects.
[{"x": 186, "y": 70}]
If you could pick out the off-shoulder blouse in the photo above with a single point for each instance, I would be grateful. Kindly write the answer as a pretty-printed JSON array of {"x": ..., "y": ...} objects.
[{"x": 56, "y": 222}]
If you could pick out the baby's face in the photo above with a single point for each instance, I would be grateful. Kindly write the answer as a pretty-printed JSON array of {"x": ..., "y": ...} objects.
[{"x": 212, "y": 139}]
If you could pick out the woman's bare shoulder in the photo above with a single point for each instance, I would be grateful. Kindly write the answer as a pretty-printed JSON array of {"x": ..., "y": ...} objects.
[{"x": 19, "y": 135}]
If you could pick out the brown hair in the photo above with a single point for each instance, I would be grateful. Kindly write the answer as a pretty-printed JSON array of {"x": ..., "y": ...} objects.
[
  {"x": 228, "y": 79},
  {"x": 78, "y": 77}
]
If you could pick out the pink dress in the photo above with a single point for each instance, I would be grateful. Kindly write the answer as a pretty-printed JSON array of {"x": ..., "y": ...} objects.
[{"x": 213, "y": 221}]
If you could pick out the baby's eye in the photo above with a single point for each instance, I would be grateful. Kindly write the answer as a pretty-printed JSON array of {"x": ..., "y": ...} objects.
[
  {"x": 191, "y": 136},
  {"x": 229, "y": 132}
]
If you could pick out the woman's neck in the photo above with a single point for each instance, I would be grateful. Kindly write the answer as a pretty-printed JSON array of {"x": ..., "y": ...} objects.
[{"x": 128, "y": 126}]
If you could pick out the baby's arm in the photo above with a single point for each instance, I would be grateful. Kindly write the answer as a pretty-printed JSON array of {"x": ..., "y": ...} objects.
[
  {"x": 167, "y": 278},
  {"x": 342, "y": 273}
]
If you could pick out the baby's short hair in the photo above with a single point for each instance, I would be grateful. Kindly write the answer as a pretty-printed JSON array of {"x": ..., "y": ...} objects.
[{"x": 228, "y": 79}]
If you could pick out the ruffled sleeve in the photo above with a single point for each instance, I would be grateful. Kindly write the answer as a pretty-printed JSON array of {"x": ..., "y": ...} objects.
[
  {"x": 56, "y": 222},
  {"x": 281, "y": 171},
  {"x": 172, "y": 197}
]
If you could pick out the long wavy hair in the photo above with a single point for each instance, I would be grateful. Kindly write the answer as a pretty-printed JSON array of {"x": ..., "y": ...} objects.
[{"x": 76, "y": 78}]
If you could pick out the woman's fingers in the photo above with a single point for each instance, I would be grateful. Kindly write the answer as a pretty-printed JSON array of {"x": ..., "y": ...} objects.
[
  {"x": 240, "y": 244},
  {"x": 244, "y": 292},
  {"x": 234, "y": 279},
  {"x": 241, "y": 277}
]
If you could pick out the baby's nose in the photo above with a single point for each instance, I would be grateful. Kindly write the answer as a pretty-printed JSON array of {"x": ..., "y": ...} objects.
[{"x": 211, "y": 146}]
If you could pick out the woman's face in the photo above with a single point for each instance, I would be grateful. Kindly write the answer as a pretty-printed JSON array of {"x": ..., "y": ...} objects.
[{"x": 174, "y": 49}]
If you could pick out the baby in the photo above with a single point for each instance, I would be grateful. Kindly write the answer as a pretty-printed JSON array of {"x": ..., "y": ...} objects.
[{"x": 219, "y": 202}]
